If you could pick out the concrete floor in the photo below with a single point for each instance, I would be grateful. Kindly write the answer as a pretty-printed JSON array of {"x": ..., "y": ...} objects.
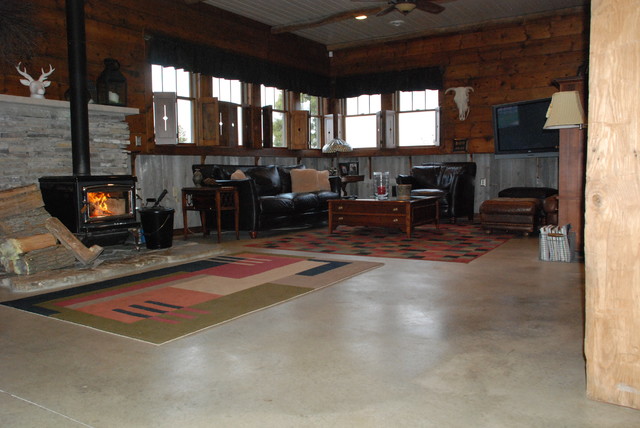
[{"x": 493, "y": 343}]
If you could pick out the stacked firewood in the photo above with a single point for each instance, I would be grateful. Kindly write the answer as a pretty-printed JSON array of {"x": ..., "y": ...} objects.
[{"x": 31, "y": 240}]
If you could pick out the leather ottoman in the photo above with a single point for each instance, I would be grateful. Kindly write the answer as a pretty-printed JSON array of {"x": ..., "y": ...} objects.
[{"x": 513, "y": 214}]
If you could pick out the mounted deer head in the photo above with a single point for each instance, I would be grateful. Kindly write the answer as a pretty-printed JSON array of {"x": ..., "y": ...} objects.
[
  {"x": 461, "y": 99},
  {"x": 36, "y": 87}
]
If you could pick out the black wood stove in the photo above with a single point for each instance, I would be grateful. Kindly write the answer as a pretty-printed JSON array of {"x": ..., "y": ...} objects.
[{"x": 98, "y": 209}]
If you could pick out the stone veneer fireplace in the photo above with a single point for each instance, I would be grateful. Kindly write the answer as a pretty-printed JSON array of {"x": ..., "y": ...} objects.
[
  {"x": 36, "y": 147},
  {"x": 35, "y": 140}
]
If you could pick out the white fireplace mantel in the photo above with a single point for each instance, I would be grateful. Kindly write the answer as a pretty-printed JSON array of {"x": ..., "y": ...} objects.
[{"x": 12, "y": 99}]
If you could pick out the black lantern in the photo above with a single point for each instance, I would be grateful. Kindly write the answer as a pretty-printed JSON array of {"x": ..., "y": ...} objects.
[{"x": 111, "y": 84}]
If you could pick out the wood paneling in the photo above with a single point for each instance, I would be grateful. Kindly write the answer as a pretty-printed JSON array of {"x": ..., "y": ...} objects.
[
  {"x": 503, "y": 63},
  {"x": 612, "y": 234}
]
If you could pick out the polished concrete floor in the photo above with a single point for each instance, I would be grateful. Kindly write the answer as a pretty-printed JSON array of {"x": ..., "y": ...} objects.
[{"x": 493, "y": 343}]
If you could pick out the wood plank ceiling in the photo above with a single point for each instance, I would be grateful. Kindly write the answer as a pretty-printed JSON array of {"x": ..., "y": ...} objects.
[{"x": 458, "y": 15}]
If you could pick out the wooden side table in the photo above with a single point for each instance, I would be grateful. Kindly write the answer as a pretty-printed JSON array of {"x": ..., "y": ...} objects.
[
  {"x": 214, "y": 200},
  {"x": 346, "y": 179}
]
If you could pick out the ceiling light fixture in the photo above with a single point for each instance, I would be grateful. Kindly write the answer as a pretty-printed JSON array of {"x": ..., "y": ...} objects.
[
  {"x": 397, "y": 22},
  {"x": 361, "y": 17},
  {"x": 405, "y": 7}
]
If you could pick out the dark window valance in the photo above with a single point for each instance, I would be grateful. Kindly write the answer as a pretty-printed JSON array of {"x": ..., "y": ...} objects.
[
  {"x": 209, "y": 60},
  {"x": 388, "y": 82},
  {"x": 197, "y": 58}
]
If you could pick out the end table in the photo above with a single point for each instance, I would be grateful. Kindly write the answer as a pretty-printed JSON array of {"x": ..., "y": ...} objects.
[{"x": 210, "y": 200}]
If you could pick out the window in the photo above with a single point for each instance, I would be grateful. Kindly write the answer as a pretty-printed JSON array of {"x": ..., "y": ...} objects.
[
  {"x": 170, "y": 79},
  {"x": 360, "y": 120},
  {"x": 275, "y": 98},
  {"x": 418, "y": 118},
  {"x": 314, "y": 106},
  {"x": 229, "y": 91}
]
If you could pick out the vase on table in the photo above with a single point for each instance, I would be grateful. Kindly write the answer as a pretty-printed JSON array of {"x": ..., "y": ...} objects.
[{"x": 381, "y": 185}]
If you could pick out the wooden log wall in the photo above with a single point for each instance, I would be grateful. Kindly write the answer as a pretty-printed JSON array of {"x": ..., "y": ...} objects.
[
  {"x": 503, "y": 63},
  {"x": 612, "y": 232}
]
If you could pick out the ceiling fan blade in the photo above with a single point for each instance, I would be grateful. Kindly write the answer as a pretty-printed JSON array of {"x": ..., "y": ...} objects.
[
  {"x": 386, "y": 10},
  {"x": 428, "y": 6},
  {"x": 330, "y": 19}
]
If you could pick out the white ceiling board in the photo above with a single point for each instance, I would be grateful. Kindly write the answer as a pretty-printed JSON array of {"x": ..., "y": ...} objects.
[{"x": 457, "y": 14}]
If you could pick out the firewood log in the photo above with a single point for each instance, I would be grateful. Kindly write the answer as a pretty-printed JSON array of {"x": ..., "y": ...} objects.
[
  {"x": 44, "y": 259},
  {"x": 13, "y": 247},
  {"x": 19, "y": 199}
]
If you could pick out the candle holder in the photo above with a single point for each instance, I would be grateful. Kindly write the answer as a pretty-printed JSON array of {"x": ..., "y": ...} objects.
[{"x": 381, "y": 185}]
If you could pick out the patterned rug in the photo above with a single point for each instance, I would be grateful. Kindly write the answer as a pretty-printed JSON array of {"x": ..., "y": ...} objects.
[
  {"x": 164, "y": 304},
  {"x": 462, "y": 242}
]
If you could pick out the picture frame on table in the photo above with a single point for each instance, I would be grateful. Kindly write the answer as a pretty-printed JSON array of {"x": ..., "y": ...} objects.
[
  {"x": 354, "y": 168},
  {"x": 344, "y": 168}
]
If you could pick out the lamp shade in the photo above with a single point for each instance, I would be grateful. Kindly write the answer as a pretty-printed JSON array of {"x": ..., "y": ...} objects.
[
  {"x": 565, "y": 111},
  {"x": 337, "y": 145}
]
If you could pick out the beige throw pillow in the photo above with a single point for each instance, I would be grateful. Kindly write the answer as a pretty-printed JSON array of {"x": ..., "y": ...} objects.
[
  {"x": 323, "y": 180},
  {"x": 304, "y": 180},
  {"x": 238, "y": 175}
]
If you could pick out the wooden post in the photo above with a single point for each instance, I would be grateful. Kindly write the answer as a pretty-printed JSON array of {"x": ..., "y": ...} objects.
[{"x": 612, "y": 233}]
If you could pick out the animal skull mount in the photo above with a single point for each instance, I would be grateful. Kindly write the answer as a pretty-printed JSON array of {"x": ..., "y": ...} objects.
[
  {"x": 461, "y": 99},
  {"x": 36, "y": 87}
]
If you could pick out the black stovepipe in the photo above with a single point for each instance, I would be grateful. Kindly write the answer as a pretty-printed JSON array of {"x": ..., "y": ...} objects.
[{"x": 77, "y": 60}]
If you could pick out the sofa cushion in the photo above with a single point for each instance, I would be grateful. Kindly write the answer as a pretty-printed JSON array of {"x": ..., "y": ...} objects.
[
  {"x": 280, "y": 204},
  {"x": 266, "y": 178},
  {"x": 285, "y": 176},
  {"x": 324, "y": 196},
  {"x": 303, "y": 202}
]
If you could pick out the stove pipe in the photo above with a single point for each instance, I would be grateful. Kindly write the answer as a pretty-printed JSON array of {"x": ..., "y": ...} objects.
[{"x": 77, "y": 53}]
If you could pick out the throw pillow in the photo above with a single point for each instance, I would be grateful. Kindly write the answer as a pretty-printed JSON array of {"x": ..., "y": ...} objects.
[
  {"x": 323, "y": 180},
  {"x": 304, "y": 180},
  {"x": 238, "y": 175}
]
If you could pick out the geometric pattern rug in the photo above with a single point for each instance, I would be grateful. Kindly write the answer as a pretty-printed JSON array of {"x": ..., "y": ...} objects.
[
  {"x": 168, "y": 303},
  {"x": 460, "y": 242}
]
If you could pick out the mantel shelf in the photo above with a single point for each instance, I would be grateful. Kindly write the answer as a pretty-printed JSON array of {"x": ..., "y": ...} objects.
[{"x": 58, "y": 104}]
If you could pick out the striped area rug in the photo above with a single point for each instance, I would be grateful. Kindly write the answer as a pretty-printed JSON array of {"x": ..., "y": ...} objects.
[{"x": 165, "y": 304}]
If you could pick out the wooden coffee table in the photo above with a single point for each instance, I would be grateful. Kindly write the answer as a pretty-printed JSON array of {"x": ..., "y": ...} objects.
[{"x": 392, "y": 213}]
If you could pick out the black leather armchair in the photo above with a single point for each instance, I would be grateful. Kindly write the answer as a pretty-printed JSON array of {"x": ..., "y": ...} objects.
[{"x": 453, "y": 181}]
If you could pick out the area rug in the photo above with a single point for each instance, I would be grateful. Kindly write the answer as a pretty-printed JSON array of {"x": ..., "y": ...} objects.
[
  {"x": 462, "y": 242},
  {"x": 164, "y": 304}
]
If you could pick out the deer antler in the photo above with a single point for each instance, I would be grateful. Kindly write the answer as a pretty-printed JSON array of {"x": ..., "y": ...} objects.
[
  {"x": 24, "y": 73},
  {"x": 44, "y": 75}
]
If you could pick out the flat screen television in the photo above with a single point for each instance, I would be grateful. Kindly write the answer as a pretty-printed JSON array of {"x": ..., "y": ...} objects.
[{"x": 518, "y": 130}]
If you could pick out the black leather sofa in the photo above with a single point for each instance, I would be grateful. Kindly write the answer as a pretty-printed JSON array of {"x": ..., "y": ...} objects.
[
  {"x": 266, "y": 197},
  {"x": 454, "y": 182}
]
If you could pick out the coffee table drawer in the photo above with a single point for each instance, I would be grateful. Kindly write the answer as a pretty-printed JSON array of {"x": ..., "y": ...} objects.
[
  {"x": 368, "y": 220},
  {"x": 371, "y": 208}
]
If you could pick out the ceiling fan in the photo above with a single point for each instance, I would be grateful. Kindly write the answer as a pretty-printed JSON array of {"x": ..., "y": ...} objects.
[
  {"x": 406, "y": 6},
  {"x": 402, "y": 6}
]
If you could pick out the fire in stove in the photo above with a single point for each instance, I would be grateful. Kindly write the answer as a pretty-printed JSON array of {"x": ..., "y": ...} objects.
[{"x": 107, "y": 204}]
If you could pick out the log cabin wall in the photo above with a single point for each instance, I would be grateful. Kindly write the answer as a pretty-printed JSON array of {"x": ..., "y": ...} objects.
[{"x": 503, "y": 63}]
